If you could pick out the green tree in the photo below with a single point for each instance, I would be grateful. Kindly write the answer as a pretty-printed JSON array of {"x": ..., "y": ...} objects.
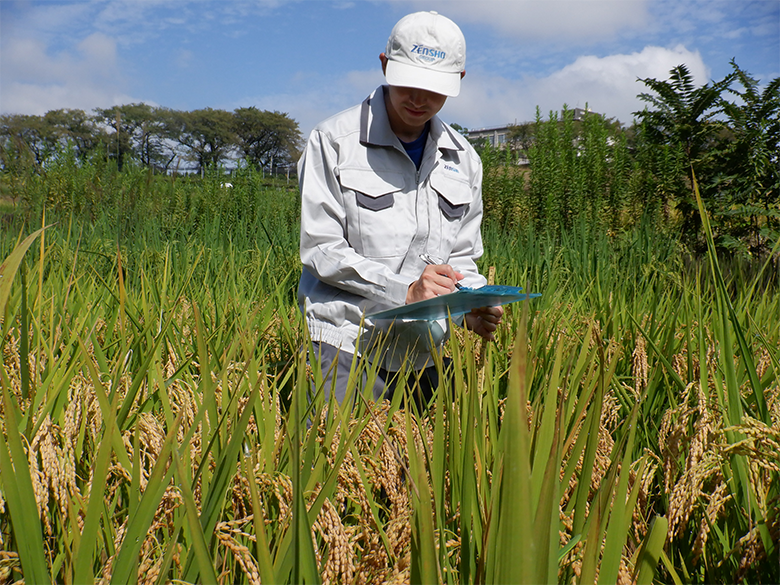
[
  {"x": 683, "y": 122},
  {"x": 522, "y": 136},
  {"x": 75, "y": 127},
  {"x": 32, "y": 140},
  {"x": 265, "y": 137},
  {"x": 748, "y": 160},
  {"x": 24, "y": 141},
  {"x": 158, "y": 147},
  {"x": 207, "y": 135},
  {"x": 124, "y": 125},
  {"x": 462, "y": 130},
  {"x": 145, "y": 133},
  {"x": 683, "y": 113}
]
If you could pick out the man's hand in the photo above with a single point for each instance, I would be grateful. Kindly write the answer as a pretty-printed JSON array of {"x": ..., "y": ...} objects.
[
  {"x": 438, "y": 279},
  {"x": 484, "y": 321}
]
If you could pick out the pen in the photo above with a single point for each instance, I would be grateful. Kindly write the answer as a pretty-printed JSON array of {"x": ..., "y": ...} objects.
[{"x": 433, "y": 261}]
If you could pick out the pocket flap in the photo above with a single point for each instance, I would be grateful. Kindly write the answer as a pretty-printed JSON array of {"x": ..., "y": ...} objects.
[
  {"x": 450, "y": 210},
  {"x": 455, "y": 190},
  {"x": 371, "y": 183},
  {"x": 375, "y": 203},
  {"x": 454, "y": 195}
]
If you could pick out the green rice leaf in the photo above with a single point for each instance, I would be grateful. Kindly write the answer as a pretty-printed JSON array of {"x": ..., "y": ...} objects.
[
  {"x": 10, "y": 266},
  {"x": 200, "y": 551},
  {"x": 142, "y": 515},
  {"x": 425, "y": 566},
  {"x": 516, "y": 546},
  {"x": 20, "y": 497},
  {"x": 652, "y": 549},
  {"x": 83, "y": 556}
]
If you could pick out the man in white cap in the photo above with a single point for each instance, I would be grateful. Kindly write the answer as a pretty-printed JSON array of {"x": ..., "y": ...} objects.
[{"x": 385, "y": 187}]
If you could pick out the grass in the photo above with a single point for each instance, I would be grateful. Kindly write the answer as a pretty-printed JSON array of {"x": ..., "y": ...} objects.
[{"x": 623, "y": 427}]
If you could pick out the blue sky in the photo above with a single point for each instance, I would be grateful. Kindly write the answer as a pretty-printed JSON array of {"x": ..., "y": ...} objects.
[{"x": 313, "y": 58}]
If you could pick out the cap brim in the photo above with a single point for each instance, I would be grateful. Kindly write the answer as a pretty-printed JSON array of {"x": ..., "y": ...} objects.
[{"x": 405, "y": 75}]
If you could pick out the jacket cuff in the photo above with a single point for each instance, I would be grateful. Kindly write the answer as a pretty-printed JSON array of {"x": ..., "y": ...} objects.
[{"x": 397, "y": 288}]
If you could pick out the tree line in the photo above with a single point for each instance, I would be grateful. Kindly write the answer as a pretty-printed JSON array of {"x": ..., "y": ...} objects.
[{"x": 155, "y": 137}]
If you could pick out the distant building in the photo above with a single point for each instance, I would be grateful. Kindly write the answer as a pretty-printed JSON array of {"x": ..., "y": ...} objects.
[{"x": 498, "y": 136}]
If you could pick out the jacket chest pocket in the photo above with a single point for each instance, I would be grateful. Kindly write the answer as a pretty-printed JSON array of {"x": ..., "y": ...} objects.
[
  {"x": 380, "y": 220},
  {"x": 454, "y": 198}
]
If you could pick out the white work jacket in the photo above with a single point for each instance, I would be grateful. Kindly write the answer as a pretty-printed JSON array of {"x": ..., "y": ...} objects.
[{"x": 367, "y": 214}]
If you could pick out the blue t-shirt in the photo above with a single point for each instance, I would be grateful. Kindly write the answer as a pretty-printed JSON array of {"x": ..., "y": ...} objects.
[{"x": 416, "y": 148}]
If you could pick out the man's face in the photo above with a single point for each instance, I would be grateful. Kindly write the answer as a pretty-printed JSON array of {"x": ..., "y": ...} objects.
[{"x": 410, "y": 109}]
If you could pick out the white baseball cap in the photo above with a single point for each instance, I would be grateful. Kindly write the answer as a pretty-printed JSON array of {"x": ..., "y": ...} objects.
[{"x": 426, "y": 50}]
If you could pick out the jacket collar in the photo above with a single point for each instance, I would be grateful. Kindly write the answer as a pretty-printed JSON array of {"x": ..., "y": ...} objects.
[{"x": 375, "y": 126}]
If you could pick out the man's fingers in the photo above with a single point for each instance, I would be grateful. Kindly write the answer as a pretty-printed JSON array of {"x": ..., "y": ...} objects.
[
  {"x": 490, "y": 314},
  {"x": 489, "y": 318},
  {"x": 439, "y": 279},
  {"x": 480, "y": 326},
  {"x": 437, "y": 283},
  {"x": 442, "y": 272},
  {"x": 484, "y": 321},
  {"x": 435, "y": 280}
]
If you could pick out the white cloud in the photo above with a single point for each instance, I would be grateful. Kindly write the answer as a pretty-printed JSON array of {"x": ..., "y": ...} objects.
[
  {"x": 608, "y": 85},
  {"x": 36, "y": 81},
  {"x": 99, "y": 53},
  {"x": 39, "y": 99},
  {"x": 539, "y": 19},
  {"x": 45, "y": 20}
]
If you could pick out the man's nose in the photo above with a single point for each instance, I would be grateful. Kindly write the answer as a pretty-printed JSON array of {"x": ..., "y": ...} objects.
[{"x": 417, "y": 96}]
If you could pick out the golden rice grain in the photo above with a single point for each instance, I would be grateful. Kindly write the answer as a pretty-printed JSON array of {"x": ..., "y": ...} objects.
[
  {"x": 339, "y": 565},
  {"x": 715, "y": 506},
  {"x": 242, "y": 555},
  {"x": 640, "y": 366}
]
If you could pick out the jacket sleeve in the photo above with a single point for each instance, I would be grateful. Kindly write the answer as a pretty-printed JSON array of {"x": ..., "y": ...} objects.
[{"x": 325, "y": 250}]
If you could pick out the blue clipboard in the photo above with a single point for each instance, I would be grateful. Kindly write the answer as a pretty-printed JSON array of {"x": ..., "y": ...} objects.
[{"x": 459, "y": 302}]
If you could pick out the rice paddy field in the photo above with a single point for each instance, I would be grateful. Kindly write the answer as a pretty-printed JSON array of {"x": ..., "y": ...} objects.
[{"x": 159, "y": 425}]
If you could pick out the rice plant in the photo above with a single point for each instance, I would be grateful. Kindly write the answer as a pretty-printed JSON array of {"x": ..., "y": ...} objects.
[{"x": 161, "y": 423}]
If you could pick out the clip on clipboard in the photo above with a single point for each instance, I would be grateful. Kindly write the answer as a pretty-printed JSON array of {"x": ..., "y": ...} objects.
[{"x": 459, "y": 302}]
